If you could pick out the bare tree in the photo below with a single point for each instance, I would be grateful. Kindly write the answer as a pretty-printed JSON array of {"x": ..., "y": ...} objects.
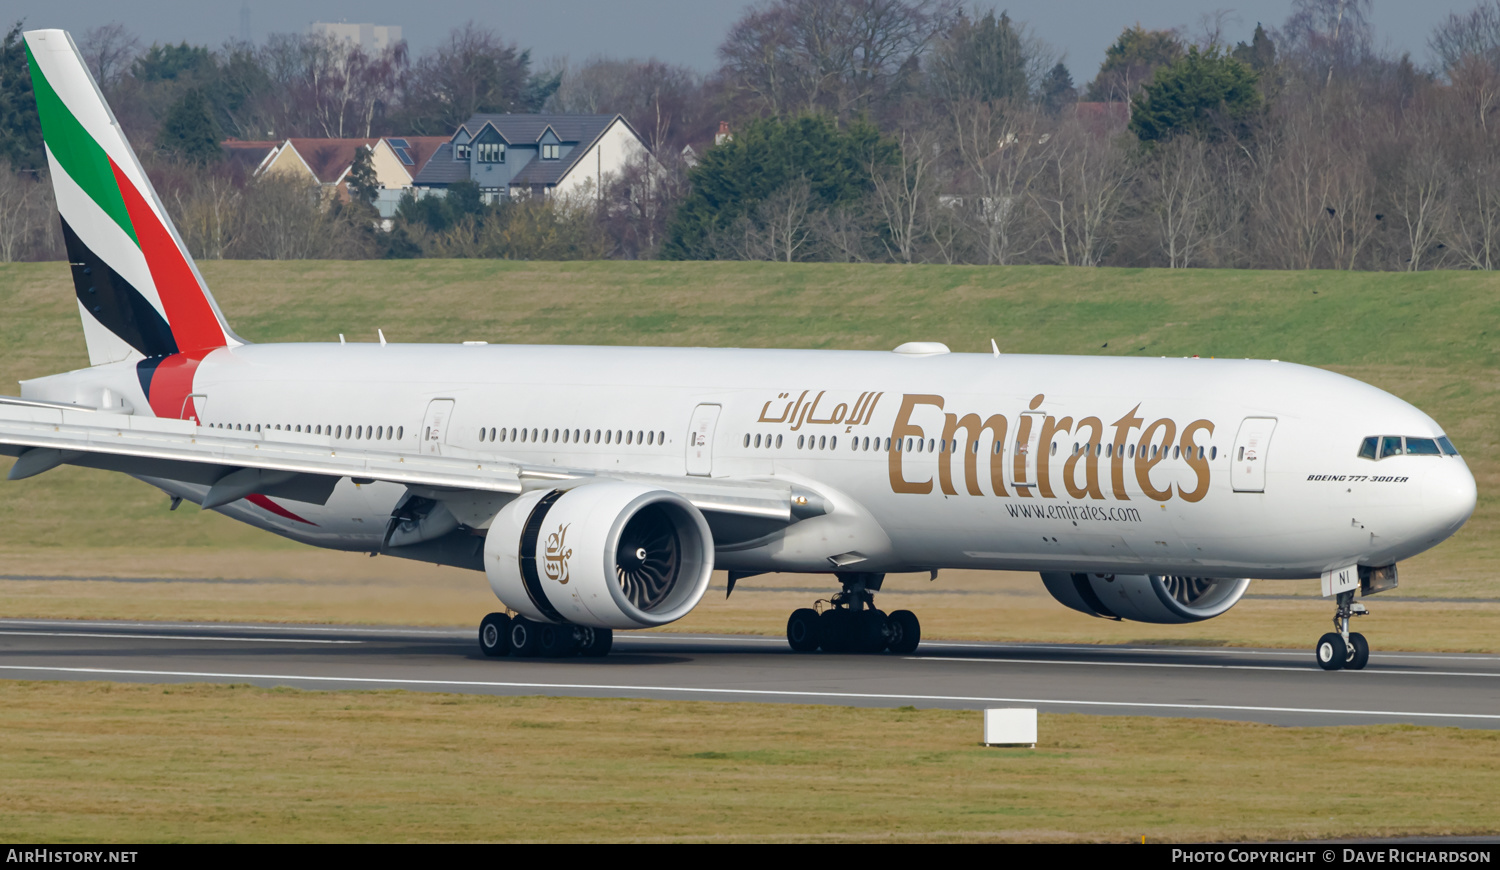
[
  {"x": 1472, "y": 229},
  {"x": 785, "y": 217},
  {"x": 1417, "y": 193},
  {"x": 839, "y": 56},
  {"x": 1327, "y": 35},
  {"x": 25, "y": 213},
  {"x": 1079, "y": 194},
  {"x": 1468, "y": 36},
  {"x": 108, "y": 51},
  {"x": 998, "y": 147},
  {"x": 1180, "y": 196},
  {"x": 905, "y": 192}
]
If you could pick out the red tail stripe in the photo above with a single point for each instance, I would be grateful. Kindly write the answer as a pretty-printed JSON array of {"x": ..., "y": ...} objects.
[{"x": 194, "y": 324}]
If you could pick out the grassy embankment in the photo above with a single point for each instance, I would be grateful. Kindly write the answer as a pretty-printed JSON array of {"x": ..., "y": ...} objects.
[
  {"x": 1432, "y": 338},
  {"x": 233, "y": 764}
]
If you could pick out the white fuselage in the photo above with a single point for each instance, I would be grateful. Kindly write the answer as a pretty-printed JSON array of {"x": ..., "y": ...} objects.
[{"x": 1097, "y": 468}]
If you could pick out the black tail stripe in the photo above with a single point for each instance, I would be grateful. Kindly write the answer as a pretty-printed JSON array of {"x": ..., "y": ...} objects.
[{"x": 112, "y": 301}]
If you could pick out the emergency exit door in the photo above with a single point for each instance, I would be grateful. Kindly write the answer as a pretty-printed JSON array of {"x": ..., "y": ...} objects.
[
  {"x": 700, "y": 441},
  {"x": 1252, "y": 446}
]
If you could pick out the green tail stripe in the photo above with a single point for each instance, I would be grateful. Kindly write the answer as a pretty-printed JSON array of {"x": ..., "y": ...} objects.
[{"x": 79, "y": 155}]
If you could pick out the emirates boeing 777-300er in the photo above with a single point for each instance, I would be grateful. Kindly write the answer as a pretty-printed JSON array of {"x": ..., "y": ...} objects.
[{"x": 598, "y": 487}]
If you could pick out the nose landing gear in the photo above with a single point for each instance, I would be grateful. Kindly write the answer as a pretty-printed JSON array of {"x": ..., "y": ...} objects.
[
  {"x": 1342, "y": 648},
  {"x": 852, "y": 623}
]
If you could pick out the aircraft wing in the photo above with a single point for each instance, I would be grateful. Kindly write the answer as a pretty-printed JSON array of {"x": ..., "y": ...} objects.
[{"x": 305, "y": 467}]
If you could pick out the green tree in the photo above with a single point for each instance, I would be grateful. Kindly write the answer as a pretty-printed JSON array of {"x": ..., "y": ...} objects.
[
  {"x": 1260, "y": 54},
  {"x": 163, "y": 63},
  {"x": 1203, "y": 94},
  {"x": 20, "y": 128},
  {"x": 188, "y": 133},
  {"x": 983, "y": 60},
  {"x": 1057, "y": 89},
  {"x": 364, "y": 186},
  {"x": 1131, "y": 61},
  {"x": 763, "y": 158}
]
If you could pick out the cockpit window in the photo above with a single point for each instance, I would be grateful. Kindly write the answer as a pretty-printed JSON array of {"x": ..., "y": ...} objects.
[
  {"x": 1381, "y": 446},
  {"x": 1422, "y": 447}
]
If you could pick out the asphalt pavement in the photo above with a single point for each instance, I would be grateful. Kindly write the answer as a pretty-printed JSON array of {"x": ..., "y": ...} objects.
[{"x": 1282, "y": 687}]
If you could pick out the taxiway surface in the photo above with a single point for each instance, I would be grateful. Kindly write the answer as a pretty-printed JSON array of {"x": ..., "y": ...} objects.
[{"x": 1283, "y": 687}]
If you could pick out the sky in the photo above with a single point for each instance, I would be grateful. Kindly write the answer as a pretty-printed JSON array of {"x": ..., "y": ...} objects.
[{"x": 677, "y": 31}]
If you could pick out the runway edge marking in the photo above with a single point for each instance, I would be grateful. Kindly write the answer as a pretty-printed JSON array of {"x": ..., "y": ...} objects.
[{"x": 747, "y": 692}]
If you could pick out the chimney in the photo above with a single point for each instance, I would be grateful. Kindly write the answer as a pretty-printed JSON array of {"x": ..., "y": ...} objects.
[{"x": 723, "y": 135}]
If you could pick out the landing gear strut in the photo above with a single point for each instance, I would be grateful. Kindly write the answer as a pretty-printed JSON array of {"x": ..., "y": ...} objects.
[
  {"x": 501, "y": 634},
  {"x": 852, "y": 624},
  {"x": 1342, "y": 648}
]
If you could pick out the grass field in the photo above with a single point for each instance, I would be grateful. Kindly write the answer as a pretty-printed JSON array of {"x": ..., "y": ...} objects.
[
  {"x": 1432, "y": 338},
  {"x": 234, "y": 764}
]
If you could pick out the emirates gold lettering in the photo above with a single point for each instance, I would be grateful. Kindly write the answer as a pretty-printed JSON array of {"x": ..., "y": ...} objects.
[{"x": 1134, "y": 454}]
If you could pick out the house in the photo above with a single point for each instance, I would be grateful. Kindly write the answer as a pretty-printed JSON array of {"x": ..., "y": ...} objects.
[
  {"x": 396, "y": 161},
  {"x": 516, "y": 156}
]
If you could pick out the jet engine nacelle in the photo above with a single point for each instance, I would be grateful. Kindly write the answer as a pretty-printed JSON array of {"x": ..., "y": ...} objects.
[
  {"x": 608, "y": 554},
  {"x": 1160, "y": 598}
]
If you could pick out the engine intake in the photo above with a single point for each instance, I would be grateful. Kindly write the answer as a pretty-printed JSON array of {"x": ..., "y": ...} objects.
[
  {"x": 1165, "y": 599},
  {"x": 608, "y": 554}
]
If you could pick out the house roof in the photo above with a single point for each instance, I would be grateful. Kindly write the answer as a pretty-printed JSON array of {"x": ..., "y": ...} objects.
[
  {"x": 246, "y": 155},
  {"x": 581, "y": 131},
  {"x": 528, "y": 128},
  {"x": 418, "y": 149},
  {"x": 329, "y": 159},
  {"x": 441, "y": 168}
]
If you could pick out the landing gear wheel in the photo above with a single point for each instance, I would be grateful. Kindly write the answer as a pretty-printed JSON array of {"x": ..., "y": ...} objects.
[
  {"x": 556, "y": 641},
  {"x": 833, "y": 630},
  {"x": 869, "y": 631},
  {"x": 1331, "y": 651},
  {"x": 802, "y": 633},
  {"x": 596, "y": 642},
  {"x": 905, "y": 632},
  {"x": 1361, "y": 655},
  {"x": 523, "y": 637},
  {"x": 492, "y": 635}
]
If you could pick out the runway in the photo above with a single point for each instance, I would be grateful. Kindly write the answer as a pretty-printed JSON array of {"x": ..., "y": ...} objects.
[{"x": 1281, "y": 687}]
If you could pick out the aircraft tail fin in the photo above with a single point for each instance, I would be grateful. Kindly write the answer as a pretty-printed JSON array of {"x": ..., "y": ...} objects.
[{"x": 139, "y": 293}]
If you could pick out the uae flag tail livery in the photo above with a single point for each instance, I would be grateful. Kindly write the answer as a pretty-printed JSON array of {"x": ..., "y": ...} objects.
[{"x": 139, "y": 294}]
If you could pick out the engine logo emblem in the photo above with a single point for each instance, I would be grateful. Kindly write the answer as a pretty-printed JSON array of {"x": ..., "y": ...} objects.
[{"x": 557, "y": 555}]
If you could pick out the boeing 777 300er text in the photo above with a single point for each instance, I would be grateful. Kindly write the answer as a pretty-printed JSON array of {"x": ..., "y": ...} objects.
[{"x": 597, "y": 487}]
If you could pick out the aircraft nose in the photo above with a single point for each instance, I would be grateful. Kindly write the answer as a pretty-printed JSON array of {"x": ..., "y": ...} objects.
[{"x": 1449, "y": 496}]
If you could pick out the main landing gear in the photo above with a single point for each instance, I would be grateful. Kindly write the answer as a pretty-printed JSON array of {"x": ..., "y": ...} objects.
[
  {"x": 501, "y": 634},
  {"x": 851, "y": 624},
  {"x": 1342, "y": 648}
]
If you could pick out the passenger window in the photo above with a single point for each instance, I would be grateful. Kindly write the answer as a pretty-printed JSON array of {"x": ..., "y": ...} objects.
[
  {"x": 400, "y": 431},
  {"x": 747, "y": 440},
  {"x": 833, "y": 443},
  {"x": 1213, "y": 453},
  {"x": 1368, "y": 447},
  {"x": 799, "y": 442},
  {"x": 1422, "y": 447},
  {"x": 1390, "y": 445}
]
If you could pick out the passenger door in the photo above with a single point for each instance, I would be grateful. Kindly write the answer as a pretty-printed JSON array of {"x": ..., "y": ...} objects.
[
  {"x": 435, "y": 426},
  {"x": 1251, "y": 448},
  {"x": 700, "y": 441}
]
